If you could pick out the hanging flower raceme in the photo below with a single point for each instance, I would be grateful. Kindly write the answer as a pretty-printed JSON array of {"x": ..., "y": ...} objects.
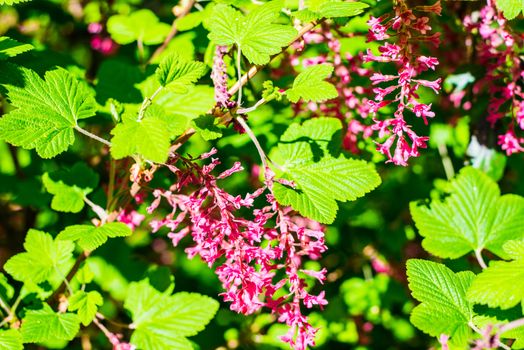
[
  {"x": 219, "y": 77},
  {"x": 405, "y": 30},
  {"x": 351, "y": 104},
  {"x": 257, "y": 255},
  {"x": 498, "y": 53}
]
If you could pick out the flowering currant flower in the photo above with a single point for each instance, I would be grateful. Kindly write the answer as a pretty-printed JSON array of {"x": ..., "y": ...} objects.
[
  {"x": 498, "y": 52},
  {"x": 407, "y": 28},
  {"x": 249, "y": 251}
]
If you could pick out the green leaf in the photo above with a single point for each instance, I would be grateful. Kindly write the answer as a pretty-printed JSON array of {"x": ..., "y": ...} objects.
[
  {"x": 10, "y": 47},
  {"x": 11, "y": 339},
  {"x": 321, "y": 178},
  {"x": 43, "y": 257},
  {"x": 86, "y": 304},
  {"x": 333, "y": 9},
  {"x": 142, "y": 25},
  {"x": 310, "y": 85},
  {"x": 175, "y": 71},
  {"x": 444, "y": 308},
  {"x": 163, "y": 321},
  {"x": 47, "y": 111},
  {"x": 510, "y": 8},
  {"x": 255, "y": 34},
  {"x": 205, "y": 126},
  {"x": 473, "y": 217},
  {"x": 116, "y": 79},
  {"x": 306, "y": 15},
  {"x": 191, "y": 20},
  {"x": 91, "y": 237},
  {"x": 196, "y": 102},
  {"x": 502, "y": 283},
  {"x": 69, "y": 186},
  {"x": 6, "y": 290},
  {"x": 11, "y": 2},
  {"x": 149, "y": 137},
  {"x": 69, "y": 199},
  {"x": 46, "y": 325}
]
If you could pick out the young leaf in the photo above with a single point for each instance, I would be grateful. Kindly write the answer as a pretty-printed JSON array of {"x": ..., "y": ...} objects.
[
  {"x": 473, "y": 217},
  {"x": 310, "y": 85},
  {"x": 86, "y": 304},
  {"x": 149, "y": 137},
  {"x": 47, "y": 111},
  {"x": 510, "y": 8},
  {"x": 502, "y": 283},
  {"x": 10, "y": 47},
  {"x": 254, "y": 34},
  {"x": 11, "y": 2},
  {"x": 46, "y": 325},
  {"x": 69, "y": 199},
  {"x": 91, "y": 237},
  {"x": 175, "y": 71},
  {"x": 142, "y": 25},
  {"x": 43, "y": 257},
  {"x": 444, "y": 308},
  {"x": 163, "y": 321},
  {"x": 332, "y": 9},
  {"x": 11, "y": 339},
  {"x": 321, "y": 179}
]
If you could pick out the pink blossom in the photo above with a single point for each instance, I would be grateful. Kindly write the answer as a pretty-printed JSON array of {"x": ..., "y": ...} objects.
[
  {"x": 429, "y": 62},
  {"x": 132, "y": 218},
  {"x": 423, "y": 111},
  {"x": 219, "y": 77},
  {"x": 510, "y": 143},
  {"x": 231, "y": 242},
  {"x": 408, "y": 28},
  {"x": 94, "y": 28}
]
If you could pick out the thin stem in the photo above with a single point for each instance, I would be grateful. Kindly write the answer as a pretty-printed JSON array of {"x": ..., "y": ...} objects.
[
  {"x": 475, "y": 328},
  {"x": 79, "y": 260},
  {"x": 16, "y": 303},
  {"x": 252, "y": 108},
  {"x": 4, "y": 306},
  {"x": 64, "y": 279},
  {"x": 99, "y": 211},
  {"x": 446, "y": 161},
  {"x": 239, "y": 72},
  {"x": 12, "y": 311},
  {"x": 111, "y": 185},
  {"x": 480, "y": 259},
  {"x": 5, "y": 320},
  {"x": 512, "y": 325},
  {"x": 186, "y": 8},
  {"x": 118, "y": 324},
  {"x": 104, "y": 330},
  {"x": 147, "y": 102},
  {"x": 86, "y": 341},
  {"x": 93, "y": 136},
  {"x": 140, "y": 45},
  {"x": 253, "y": 138}
]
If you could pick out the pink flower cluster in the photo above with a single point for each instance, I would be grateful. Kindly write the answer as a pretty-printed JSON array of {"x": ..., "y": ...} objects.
[
  {"x": 101, "y": 42},
  {"x": 498, "y": 53},
  {"x": 351, "y": 103},
  {"x": 258, "y": 253},
  {"x": 407, "y": 29},
  {"x": 131, "y": 218},
  {"x": 219, "y": 77}
]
